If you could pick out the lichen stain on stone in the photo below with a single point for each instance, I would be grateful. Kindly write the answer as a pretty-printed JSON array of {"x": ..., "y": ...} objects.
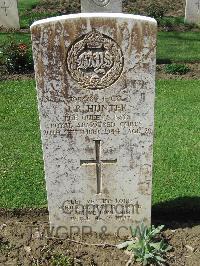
[
  {"x": 144, "y": 188},
  {"x": 40, "y": 73},
  {"x": 39, "y": 67},
  {"x": 74, "y": 28},
  {"x": 87, "y": 139},
  {"x": 90, "y": 151},
  {"x": 106, "y": 192},
  {"x": 103, "y": 24}
]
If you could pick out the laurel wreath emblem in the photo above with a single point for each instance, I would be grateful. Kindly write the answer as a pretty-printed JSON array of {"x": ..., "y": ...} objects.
[{"x": 95, "y": 61}]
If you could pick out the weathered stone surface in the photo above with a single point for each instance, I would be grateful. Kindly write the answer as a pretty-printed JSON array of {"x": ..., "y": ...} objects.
[
  {"x": 95, "y": 82},
  {"x": 192, "y": 11},
  {"x": 9, "y": 14},
  {"x": 102, "y": 6}
]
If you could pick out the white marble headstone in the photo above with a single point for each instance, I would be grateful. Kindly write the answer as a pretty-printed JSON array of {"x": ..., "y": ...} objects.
[
  {"x": 102, "y": 6},
  {"x": 95, "y": 78},
  {"x": 192, "y": 11},
  {"x": 9, "y": 17}
]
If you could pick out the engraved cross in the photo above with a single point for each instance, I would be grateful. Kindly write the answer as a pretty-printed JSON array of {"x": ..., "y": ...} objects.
[
  {"x": 98, "y": 162},
  {"x": 5, "y": 7}
]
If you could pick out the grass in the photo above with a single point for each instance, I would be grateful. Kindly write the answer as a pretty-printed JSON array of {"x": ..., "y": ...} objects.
[
  {"x": 17, "y": 37},
  {"x": 22, "y": 177},
  {"x": 172, "y": 21},
  {"x": 177, "y": 144},
  {"x": 28, "y": 16},
  {"x": 25, "y": 5},
  {"x": 176, "y": 149},
  {"x": 178, "y": 46},
  {"x": 27, "y": 19}
]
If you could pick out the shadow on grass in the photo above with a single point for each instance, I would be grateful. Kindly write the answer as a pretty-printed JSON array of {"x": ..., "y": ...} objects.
[
  {"x": 163, "y": 61},
  {"x": 181, "y": 212}
]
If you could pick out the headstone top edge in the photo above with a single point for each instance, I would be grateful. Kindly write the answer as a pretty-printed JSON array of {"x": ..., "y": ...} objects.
[{"x": 94, "y": 15}]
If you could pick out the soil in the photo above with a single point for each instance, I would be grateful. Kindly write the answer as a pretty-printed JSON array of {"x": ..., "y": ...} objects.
[
  {"x": 17, "y": 76},
  {"x": 24, "y": 241}
]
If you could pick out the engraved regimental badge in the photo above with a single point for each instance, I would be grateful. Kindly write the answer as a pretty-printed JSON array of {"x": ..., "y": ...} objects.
[
  {"x": 95, "y": 61},
  {"x": 101, "y": 2}
]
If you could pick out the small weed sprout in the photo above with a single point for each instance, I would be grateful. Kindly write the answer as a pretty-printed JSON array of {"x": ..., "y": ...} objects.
[
  {"x": 4, "y": 245},
  {"x": 60, "y": 260},
  {"x": 145, "y": 247},
  {"x": 177, "y": 69}
]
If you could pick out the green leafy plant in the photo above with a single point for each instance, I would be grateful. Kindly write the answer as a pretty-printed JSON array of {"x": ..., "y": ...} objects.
[
  {"x": 4, "y": 245},
  {"x": 145, "y": 245},
  {"x": 60, "y": 260},
  {"x": 17, "y": 57},
  {"x": 156, "y": 10},
  {"x": 177, "y": 69},
  {"x": 172, "y": 21}
]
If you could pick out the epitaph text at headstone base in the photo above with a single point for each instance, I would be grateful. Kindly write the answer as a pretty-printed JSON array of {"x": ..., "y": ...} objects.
[
  {"x": 101, "y": 6},
  {"x": 192, "y": 11},
  {"x": 9, "y": 17},
  {"x": 95, "y": 80}
]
